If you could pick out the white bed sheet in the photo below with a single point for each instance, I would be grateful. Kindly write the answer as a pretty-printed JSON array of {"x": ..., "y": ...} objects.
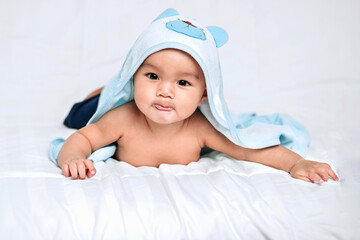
[
  {"x": 215, "y": 198},
  {"x": 54, "y": 54}
]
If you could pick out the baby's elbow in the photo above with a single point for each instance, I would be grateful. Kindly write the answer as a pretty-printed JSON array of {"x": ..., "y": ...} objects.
[
  {"x": 245, "y": 153},
  {"x": 241, "y": 153},
  {"x": 235, "y": 151}
]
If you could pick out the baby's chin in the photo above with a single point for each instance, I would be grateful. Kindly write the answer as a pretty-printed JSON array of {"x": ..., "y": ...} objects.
[{"x": 165, "y": 119}]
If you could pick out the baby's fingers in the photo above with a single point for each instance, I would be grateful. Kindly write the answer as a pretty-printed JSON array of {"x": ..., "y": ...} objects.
[
  {"x": 325, "y": 172},
  {"x": 91, "y": 169},
  {"x": 65, "y": 170},
  {"x": 304, "y": 178},
  {"x": 73, "y": 170},
  {"x": 81, "y": 170},
  {"x": 329, "y": 173},
  {"x": 316, "y": 177},
  {"x": 333, "y": 175}
]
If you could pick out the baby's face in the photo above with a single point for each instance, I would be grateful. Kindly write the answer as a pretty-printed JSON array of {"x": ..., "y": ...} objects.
[{"x": 169, "y": 86}]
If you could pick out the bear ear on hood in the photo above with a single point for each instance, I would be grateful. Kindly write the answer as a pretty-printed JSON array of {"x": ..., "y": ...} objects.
[
  {"x": 220, "y": 36},
  {"x": 167, "y": 13}
]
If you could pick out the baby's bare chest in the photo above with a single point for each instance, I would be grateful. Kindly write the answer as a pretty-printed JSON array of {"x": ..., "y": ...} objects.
[{"x": 142, "y": 149}]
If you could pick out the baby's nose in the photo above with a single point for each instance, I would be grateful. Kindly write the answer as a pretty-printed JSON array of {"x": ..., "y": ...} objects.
[{"x": 165, "y": 90}]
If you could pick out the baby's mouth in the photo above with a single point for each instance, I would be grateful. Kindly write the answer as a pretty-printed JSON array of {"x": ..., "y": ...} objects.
[{"x": 163, "y": 108}]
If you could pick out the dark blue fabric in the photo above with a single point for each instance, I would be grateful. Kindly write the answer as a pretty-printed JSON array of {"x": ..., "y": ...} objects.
[{"x": 81, "y": 113}]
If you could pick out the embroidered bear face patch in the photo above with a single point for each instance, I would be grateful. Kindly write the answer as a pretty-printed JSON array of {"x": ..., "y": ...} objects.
[{"x": 186, "y": 28}]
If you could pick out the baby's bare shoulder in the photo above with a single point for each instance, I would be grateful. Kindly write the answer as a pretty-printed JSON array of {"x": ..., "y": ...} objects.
[
  {"x": 110, "y": 127},
  {"x": 200, "y": 123},
  {"x": 123, "y": 114},
  {"x": 127, "y": 109},
  {"x": 201, "y": 127}
]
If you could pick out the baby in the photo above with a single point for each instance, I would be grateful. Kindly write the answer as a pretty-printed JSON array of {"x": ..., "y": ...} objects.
[
  {"x": 160, "y": 121},
  {"x": 162, "y": 125}
]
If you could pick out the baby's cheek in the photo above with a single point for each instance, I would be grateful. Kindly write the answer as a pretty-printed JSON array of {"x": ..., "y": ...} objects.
[{"x": 189, "y": 108}]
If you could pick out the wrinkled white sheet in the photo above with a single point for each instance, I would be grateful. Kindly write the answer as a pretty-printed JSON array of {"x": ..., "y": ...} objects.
[{"x": 298, "y": 58}]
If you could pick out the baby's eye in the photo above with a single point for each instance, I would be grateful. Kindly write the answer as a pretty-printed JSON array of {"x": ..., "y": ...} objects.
[
  {"x": 152, "y": 76},
  {"x": 183, "y": 83}
]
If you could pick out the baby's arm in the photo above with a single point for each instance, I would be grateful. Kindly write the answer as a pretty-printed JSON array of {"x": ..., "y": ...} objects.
[
  {"x": 277, "y": 157},
  {"x": 284, "y": 159},
  {"x": 72, "y": 157},
  {"x": 78, "y": 147}
]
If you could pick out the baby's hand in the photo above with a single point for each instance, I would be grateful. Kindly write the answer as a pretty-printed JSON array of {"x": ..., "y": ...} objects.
[
  {"x": 78, "y": 168},
  {"x": 311, "y": 171}
]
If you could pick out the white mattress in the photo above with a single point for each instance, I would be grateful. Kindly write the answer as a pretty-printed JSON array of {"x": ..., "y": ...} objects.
[{"x": 297, "y": 58}]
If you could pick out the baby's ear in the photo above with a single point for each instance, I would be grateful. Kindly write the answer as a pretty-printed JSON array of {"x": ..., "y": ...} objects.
[
  {"x": 220, "y": 35},
  {"x": 167, "y": 13},
  {"x": 203, "y": 98}
]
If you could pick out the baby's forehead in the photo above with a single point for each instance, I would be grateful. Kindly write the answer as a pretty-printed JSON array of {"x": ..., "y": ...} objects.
[
  {"x": 173, "y": 58},
  {"x": 171, "y": 53}
]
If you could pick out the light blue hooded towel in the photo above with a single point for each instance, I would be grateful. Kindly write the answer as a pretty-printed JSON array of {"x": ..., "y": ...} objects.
[{"x": 170, "y": 30}]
